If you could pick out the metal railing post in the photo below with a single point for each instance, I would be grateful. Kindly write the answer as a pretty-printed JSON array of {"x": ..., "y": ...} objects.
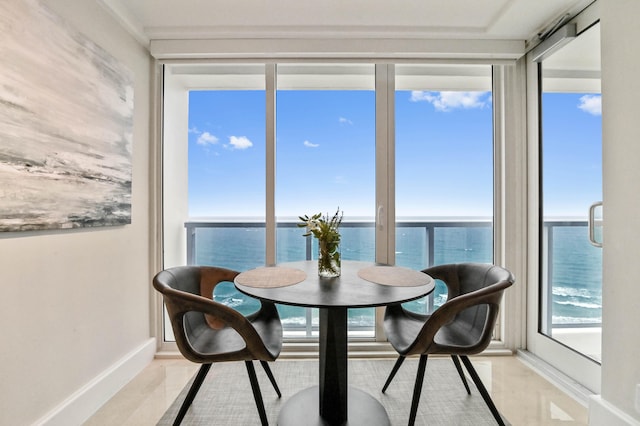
[
  {"x": 308, "y": 248},
  {"x": 549, "y": 289},
  {"x": 191, "y": 244}
]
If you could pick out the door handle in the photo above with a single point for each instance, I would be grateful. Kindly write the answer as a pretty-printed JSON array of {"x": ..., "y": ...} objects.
[
  {"x": 380, "y": 217},
  {"x": 591, "y": 224}
]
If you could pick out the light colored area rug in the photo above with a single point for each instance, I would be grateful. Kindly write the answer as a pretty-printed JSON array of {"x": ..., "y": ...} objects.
[{"x": 225, "y": 397}]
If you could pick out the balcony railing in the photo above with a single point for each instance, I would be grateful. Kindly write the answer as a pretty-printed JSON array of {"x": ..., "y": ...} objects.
[
  {"x": 429, "y": 228},
  {"x": 571, "y": 276},
  {"x": 419, "y": 244}
]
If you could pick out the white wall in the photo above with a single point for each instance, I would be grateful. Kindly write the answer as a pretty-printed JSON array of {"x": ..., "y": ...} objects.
[
  {"x": 620, "y": 38},
  {"x": 75, "y": 304}
]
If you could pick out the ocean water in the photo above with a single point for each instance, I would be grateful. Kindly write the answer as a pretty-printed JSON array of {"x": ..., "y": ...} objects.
[
  {"x": 576, "y": 265},
  {"x": 576, "y": 276}
]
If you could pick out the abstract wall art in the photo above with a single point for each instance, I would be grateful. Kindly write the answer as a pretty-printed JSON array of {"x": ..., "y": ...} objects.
[{"x": 66, "y": 125}]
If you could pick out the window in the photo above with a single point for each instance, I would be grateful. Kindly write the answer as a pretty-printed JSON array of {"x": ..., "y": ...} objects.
[
  {"x": 216, "y": 119},
  {"x": 325, "y": 151},
  {"x": 444, "y": 173}
]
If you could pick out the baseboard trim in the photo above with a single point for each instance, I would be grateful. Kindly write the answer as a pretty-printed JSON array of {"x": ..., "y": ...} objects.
[
  {"x": 83, "y": 403},
  {"x": 602, "y": 412}
]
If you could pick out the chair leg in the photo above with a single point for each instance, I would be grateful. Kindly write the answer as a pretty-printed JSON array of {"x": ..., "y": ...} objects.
[
  {"x": 394, "y": 370},
  {"x": 255, "y": 387},
  {"x": 193, "y": 390},
  {"x": 272, "y": 379},
  {"x": 417, "y": 389},
  {"x": 456, "y": 362},
  {"x": 482, "y": 389}
]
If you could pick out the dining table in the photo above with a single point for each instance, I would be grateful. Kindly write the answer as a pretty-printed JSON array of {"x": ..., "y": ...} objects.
[{"x": 360, "y": 285}]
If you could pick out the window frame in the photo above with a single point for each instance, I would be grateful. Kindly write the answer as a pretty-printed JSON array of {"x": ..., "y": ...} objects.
[{"x": 508, "y": 86}]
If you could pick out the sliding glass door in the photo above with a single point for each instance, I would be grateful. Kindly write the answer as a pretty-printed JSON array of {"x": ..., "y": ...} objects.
[
  {"x": 567, "y": 329},
  {"x": 325, "y": 162},
  {"x": 444, "y": 178}
]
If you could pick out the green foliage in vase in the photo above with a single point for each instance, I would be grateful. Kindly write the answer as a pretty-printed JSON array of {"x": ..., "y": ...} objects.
[
  {"x": 322, "y": 227},
  {"x": 326, "y": 230}
]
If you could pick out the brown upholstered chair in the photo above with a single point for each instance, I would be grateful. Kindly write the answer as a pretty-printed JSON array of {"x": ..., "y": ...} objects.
[
  {"x": 462, "y": 326},
  {"x": 207, "y": 331}
]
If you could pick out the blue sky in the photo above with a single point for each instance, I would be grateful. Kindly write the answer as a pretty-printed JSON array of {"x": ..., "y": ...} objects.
[
  {"x": 572, "y": 153},
  {"x": 326, "y": 153}
]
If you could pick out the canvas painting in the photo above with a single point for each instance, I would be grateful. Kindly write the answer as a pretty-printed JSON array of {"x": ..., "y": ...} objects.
[{"x": 66, "y": 124}]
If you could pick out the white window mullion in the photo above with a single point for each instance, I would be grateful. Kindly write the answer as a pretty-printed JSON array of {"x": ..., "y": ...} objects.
[
  {"x": 385, "y": 174},
  {"x": 270, "y": 169},
  {"x": 385, "y": 164}
]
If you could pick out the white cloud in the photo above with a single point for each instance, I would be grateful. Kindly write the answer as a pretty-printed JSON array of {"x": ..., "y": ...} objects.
[
  {"x": 591, "y": 104},
  {"x": 310, "y": 145},
  {"x": 447, "y": 101},
  {"x": 419, "y": 95},
  {"x": 207, "y": 138},
  {"x": 239, "y": 142},
  {"x": 343, "y": 120}
]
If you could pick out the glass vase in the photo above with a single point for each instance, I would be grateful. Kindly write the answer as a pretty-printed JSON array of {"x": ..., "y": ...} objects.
[{"x": 329, "y": 258}]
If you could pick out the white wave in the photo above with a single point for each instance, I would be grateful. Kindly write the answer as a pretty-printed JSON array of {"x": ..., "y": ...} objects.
[
  {"x": 439, "y": 300},
  {"x": 232, "y": 302},
  {"x": 580, "y": 304},
  {"x": 576, "y": 320},
  {"x": 572, "y": 292},
  {"x": 293, "y": 320}
]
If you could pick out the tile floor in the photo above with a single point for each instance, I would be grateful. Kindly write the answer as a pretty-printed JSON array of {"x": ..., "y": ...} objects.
[{"x": 523, "y": 396}]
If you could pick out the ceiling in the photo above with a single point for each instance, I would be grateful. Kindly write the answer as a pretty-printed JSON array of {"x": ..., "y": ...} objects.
[{"x": 444, "y": 19}]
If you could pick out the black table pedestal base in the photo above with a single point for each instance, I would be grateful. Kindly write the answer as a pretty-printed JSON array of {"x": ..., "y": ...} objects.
[{"x": 302, "y": 409}]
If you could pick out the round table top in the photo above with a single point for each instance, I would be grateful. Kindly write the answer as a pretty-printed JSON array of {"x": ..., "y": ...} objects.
[{"x": 301, "y": 285}]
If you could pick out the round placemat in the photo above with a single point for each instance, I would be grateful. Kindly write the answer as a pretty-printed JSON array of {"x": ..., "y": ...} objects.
[
  {"x": 271, "y": 276},
  {"x": 394, "y": 275}
]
